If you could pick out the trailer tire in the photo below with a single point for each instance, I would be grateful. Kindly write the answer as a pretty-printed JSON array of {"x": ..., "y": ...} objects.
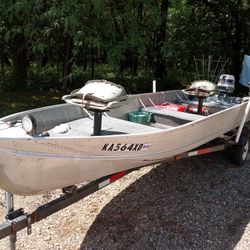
[{"x": 241, "y": 149}]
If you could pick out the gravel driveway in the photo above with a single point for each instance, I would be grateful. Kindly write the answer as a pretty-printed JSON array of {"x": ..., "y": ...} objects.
[{"x": 195, "y": 203}]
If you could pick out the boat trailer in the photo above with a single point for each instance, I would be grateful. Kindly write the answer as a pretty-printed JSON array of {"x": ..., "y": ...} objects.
[{"x": 16, "y": 220}]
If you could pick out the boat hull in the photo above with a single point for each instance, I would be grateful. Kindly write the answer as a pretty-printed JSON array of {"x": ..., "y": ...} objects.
[{"x": 31, "y": 166}]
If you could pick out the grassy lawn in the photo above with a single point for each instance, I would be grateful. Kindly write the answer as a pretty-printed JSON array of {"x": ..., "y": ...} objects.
[{"x": 12, "y": 102}]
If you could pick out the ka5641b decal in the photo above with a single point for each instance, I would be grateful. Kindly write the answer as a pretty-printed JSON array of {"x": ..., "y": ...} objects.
[{"x": 125, "y": 146}]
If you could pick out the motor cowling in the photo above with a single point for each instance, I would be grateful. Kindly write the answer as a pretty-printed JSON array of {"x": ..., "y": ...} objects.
[{"x": 226, "y": 84}]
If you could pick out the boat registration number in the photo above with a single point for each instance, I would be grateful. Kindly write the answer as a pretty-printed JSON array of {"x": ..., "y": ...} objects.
[{"x": 125, "y": 146}]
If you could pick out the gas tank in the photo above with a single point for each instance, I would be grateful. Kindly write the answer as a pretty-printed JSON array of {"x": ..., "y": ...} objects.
[{"x": 172, "y": 106}]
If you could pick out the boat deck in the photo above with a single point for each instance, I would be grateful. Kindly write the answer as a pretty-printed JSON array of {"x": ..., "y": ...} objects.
[
  {"x": 110, "y": 126},
  {"x": 163, "y": 119}
]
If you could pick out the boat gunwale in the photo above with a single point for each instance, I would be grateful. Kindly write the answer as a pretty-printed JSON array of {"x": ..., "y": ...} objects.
[
  {"x": 168, "y": 130},
  {"x": 136, "y": 134}
]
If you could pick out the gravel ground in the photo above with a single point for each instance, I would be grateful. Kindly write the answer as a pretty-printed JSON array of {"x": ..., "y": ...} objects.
[{"x": 196, "y": 203}]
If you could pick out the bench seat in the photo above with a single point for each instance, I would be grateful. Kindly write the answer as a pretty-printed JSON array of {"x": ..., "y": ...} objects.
[{"x": 170, "y": 117}]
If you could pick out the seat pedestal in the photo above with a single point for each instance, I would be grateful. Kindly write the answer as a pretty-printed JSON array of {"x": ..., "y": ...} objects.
[
  {"x": 200, "y": 104},
  {"x": 97, "y": 122}
]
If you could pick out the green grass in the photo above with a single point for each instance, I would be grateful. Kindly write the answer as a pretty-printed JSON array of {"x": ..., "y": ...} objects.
[
  {"x": 41, "y": 80},
  {"x": 13, "y": 102}
]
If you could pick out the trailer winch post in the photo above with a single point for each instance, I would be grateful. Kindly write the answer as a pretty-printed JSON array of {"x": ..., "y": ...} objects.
[
  {"x": 243, "y": 121},
  {"x": 10, "y": 208}
]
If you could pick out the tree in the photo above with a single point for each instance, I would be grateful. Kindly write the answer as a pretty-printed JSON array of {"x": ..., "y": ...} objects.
[
  {"x": 13, "y": 15},
  {"x": 134, "y": 38},
  {"x": 228, "y": 27},
  {"x": 160, "y": 39}
]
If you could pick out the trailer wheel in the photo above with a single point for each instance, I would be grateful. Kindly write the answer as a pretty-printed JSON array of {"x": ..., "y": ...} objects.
[{"x": 241, "y": 149}]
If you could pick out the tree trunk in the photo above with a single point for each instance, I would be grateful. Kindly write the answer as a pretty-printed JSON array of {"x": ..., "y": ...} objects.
[
  {"x": 2, "y": 70},
  {"x": 19, "y": 60},
  {"x": 237, "y": 42},
  {"x": 92, "y": 62},
  {"x": 160, "y": 38},
  {"x": 67, "y": 62}
]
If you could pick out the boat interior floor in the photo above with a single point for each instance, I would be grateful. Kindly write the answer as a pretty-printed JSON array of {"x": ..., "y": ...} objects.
[
  {"x": 163, "y": 119},
  {"x": 110, "y": 126}
]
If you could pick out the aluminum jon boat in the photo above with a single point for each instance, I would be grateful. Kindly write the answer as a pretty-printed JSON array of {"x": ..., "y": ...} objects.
[{"x": 101, "y": 131}]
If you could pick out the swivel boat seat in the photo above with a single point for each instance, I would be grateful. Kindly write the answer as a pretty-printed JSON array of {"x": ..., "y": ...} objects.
[
  {"x": 98, "y": 96},
  {"x": 201, "y": 89}
]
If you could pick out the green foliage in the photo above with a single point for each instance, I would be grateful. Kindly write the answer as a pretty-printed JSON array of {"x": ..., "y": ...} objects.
[{"x": 53, "y": 44}]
